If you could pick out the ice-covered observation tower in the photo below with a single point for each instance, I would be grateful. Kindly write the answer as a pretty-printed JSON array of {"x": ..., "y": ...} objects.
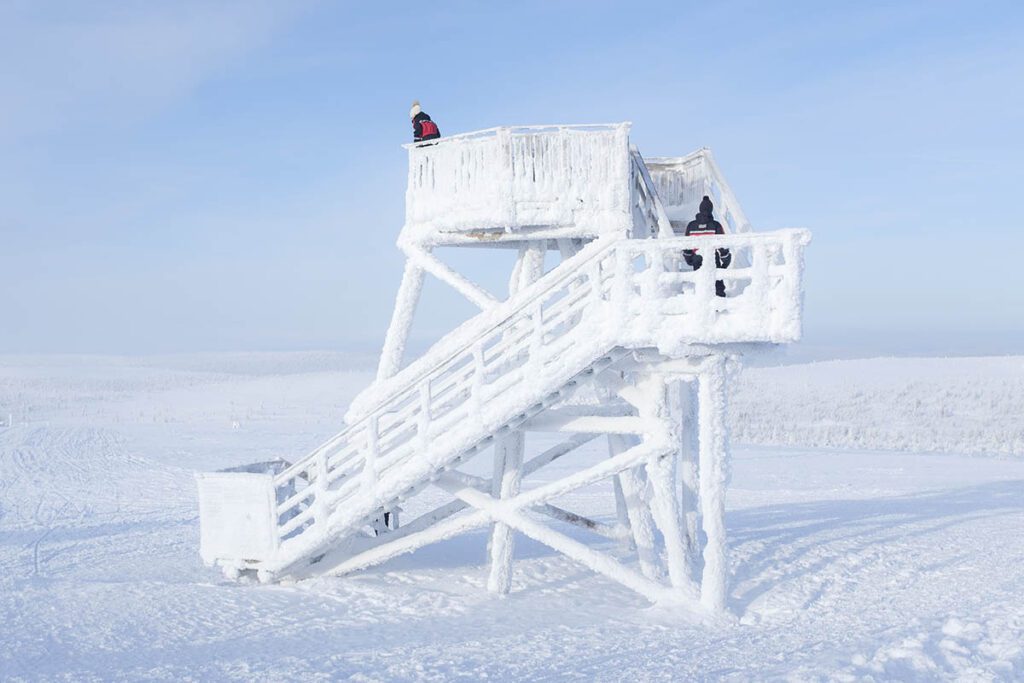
[{"x": 604, "y": 333}]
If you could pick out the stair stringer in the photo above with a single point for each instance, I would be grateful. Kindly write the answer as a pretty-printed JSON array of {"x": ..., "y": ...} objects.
[{"x": 443, "y": 454}]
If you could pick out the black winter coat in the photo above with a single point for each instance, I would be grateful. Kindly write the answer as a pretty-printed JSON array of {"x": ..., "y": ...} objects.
[
  {"x": 705, "y": 224},
  {"x": 421, "y": 132}
]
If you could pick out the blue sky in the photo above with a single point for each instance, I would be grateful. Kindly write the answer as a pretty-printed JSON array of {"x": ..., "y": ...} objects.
[{"x": 228, "y": 176}]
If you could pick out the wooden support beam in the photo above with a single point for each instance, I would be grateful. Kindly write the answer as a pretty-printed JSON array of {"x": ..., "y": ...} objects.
[
  {"x": 714, "y": 451},
  {"x": 556, "y": 452},
  {"x": 661, "y": 474},
  {"x": 615, "y": 533},
  {"x": 640, "y": 523},
  {"x": 508, "y": 473},
  {"x": 683, "y": 406},
  {"x": 480, "y": 484},
  {"x": 571, "y": 548},
  {"x": 431, "y": 264},
  {"x": 406, "y": 539},
  {"x": 443, "y": 530},
  {"x": 401, "y": 321},
  {"x": 552, "y": 421},
  {"x": 621, "y": 513}
]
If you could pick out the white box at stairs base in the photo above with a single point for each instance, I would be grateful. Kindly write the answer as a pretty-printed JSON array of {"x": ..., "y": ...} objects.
[{"x": 236, "y": 516}]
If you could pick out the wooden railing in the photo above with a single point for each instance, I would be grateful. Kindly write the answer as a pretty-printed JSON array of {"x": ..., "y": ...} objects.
[
  {"x": 613, "y": 294},
  {"x": 507, "y": 179}
]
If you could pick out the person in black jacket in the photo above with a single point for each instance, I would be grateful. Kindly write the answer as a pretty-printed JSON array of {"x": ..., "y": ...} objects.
[
  {"x": 422, "y": 127},
  {"x": 705, "y": 224}
]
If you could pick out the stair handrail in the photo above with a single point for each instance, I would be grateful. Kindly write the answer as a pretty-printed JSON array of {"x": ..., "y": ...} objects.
[
  {"x": 362, "y": 457},
  {"x": 662, "y": 223},
  {"x": 419, "y": 370},
  {"x": 491, "y": 321}
]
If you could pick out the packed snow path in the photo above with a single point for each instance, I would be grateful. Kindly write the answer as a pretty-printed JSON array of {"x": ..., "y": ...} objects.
[{"x": 845, "y": 564}]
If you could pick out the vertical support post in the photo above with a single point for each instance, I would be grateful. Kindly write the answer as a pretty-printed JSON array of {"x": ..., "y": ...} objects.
[
  {"x": 508, "y": 472},
  {"x": 714, "y": 453},
  {"x": 566, "y": 248},
  {"x": 508, "y": 451},
  {"x": 664, "y": 496},
  {"x": 531, "y": 258},
  {"x": 401, "y": 321},
  {"x": 683, "y": 405},
  {"x": 621, "y": 514},
  {"x": 640, "y": 521}
]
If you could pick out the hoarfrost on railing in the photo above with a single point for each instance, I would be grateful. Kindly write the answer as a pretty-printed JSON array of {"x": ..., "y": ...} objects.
[
  {"x": 613, "y": 294},
  {"x": 682, "y": 182},
  {"x": 509, "y": 179}
]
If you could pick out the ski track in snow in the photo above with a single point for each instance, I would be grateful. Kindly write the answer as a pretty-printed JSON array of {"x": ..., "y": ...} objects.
[{"x": 846, "y": 565}]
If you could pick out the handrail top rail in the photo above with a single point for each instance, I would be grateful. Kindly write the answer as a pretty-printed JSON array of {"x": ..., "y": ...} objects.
[
  {"x": 532, "y": 129},
  {"x": 507, "y": 309},
  {"x": 490, "y": 321},
  {"x": 679, "y": 161}
]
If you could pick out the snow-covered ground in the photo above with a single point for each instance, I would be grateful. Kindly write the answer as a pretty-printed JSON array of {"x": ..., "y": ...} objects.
[
  {"x": 949, "y": 405},
  {"x": 847, "y": 564}
]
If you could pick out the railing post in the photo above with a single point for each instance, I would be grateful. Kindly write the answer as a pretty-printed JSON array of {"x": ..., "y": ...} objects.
[
  {"x": 650, "y": 287},
  {"x": 593, "y": 300},
  {"x": 476, "y": 388},
  {"x": 622, "y": 282},
  {"x": 704, "y": 288},
  {"x": 594, "y": 279},
  {"x": 372, "y": 448},
  {"x": 759, "y": 284},
  {"x": 320, "y": 511},
  {"x": 504, "y": 137},
  {"x": 622, "y": 143},
  {"x": 792, "y": 284},
  {"x": 423, "y": 419},
  {"x": 537, "y": 333}
]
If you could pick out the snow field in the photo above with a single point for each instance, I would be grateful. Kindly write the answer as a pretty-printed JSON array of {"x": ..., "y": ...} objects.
[
  {"x": 950, "y": 405},
  {"x": 845, "y": 564}
]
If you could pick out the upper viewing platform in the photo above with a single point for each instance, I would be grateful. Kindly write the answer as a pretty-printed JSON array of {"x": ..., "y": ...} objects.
[{"x": 508, "y": 185}]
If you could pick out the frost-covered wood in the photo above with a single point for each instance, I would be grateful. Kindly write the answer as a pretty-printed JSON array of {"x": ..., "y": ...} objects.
[
  {"x": 521, "y": 179},
  {"x": 508, "y": 473},
  {"x": 535, "y": 342},
  {"x": 681, "y": 182},
  {"x": 714, "y": 477},
  {"x": 611, "y": 341},
  {"x": 401, "y": 321}
]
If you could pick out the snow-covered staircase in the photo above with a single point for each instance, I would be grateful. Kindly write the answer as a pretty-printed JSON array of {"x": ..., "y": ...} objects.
[{"x": 617, "y": 303}]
